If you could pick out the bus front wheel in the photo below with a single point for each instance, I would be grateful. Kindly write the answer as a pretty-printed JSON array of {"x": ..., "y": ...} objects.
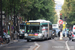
[{"x": 27, "y": 40}]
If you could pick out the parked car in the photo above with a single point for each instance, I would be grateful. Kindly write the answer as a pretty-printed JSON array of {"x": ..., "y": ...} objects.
[
  {"x": 73, "y": 36},
  {"x": 57, "y": 31}
]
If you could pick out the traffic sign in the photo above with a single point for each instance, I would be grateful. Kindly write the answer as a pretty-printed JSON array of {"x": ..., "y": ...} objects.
[{"x": 60, "y": 21}]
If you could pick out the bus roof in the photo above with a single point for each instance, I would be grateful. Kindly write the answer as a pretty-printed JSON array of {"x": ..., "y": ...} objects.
[
  {"x": 38, "y": 22},
  {"x": 46, "y": 23},
  {"x": 41, "y": 21}
]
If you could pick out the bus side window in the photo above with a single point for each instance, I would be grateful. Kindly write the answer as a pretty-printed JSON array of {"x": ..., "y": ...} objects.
[{"x": 28, "y": 30}]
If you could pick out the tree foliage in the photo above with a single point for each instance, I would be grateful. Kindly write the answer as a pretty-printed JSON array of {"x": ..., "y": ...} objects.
[
  {"x": 30, "y": 9},
  {"x": 68, "y": 9}
]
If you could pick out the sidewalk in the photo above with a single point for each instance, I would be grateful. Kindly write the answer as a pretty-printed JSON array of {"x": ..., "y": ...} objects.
[{"x": 11, "y": 42}]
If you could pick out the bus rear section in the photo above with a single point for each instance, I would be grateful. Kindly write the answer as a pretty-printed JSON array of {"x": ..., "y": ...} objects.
[
  {"x": 37, "y": 31},
  {"x": 22, "y": 30}
]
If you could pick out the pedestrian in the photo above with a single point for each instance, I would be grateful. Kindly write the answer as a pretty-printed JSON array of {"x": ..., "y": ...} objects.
[
  {"x": 59, "y": 33},
  {"x": 4, "y": 32},
  {"x": 70, "y": 34},
  {"x": 16, "y": 33},
  {"x": 1, "y": 40}
]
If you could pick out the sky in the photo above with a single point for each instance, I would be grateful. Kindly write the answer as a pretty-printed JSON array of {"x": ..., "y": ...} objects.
[
  {"x": 59, "y": 4},
  {"x": 58, "y": 7}
]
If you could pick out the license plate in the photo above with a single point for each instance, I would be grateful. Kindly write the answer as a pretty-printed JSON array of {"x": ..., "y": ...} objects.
[
  {"x": 31, "y": 34},
  {"x": 32, "y": 38}
]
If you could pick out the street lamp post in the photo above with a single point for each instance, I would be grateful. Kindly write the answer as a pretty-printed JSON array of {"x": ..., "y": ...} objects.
[
  {"x": 1, "y": 28},
  {"x": 17, "y": 24},
  {"x": 14, "y": 21}
]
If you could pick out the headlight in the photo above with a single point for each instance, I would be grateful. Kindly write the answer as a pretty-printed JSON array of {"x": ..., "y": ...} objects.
[
  {"x": 53, "y": 34},
  {"x": 25, "y": 34},
  {"x": 39, "y": 34}
]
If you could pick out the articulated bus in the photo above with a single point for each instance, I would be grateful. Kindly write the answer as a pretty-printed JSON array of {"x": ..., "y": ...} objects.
[
  {"x": 38, "y": 30},
  {"x": 22, "y": 29}
]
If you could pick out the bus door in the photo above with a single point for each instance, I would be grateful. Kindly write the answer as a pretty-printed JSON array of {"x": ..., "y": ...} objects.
[
  {"x": 44, "y": 30},
  {"x": 50, "y": 30}
]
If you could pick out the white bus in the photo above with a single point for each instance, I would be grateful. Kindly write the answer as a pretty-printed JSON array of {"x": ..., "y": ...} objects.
[
  {"x": 56, "y": 28},
  {"x": 38, "y": 30}
]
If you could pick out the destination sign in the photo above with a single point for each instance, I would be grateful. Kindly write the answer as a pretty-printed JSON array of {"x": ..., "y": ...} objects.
[{"x": 32, "y": 23}]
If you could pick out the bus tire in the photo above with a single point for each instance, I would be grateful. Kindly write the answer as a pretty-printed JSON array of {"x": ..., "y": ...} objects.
[
  {"x": 47, "y": 37},
  {"x": 50, "y": 38},
  {"x": 27, "y": 40},
  {"x": 43, "y": 38},
  {"x": 72, "y": 40}
]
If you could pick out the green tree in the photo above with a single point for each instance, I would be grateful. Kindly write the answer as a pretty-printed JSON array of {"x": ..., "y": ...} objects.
[
  {"x": 30, "y": 9},
  {"x": 68, "y": 9}
]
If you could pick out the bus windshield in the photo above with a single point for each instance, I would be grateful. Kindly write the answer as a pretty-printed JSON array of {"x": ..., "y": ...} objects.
[
  {"x": 33, "y": 29},
  {"x": 22, "y": 26}
]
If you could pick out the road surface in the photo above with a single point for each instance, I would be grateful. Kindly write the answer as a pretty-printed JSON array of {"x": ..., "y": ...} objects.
[{"x": 53, "y": 44}]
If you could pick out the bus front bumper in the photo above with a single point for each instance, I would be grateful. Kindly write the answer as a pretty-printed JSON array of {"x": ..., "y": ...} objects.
[{"x": 34, "y": 38}]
